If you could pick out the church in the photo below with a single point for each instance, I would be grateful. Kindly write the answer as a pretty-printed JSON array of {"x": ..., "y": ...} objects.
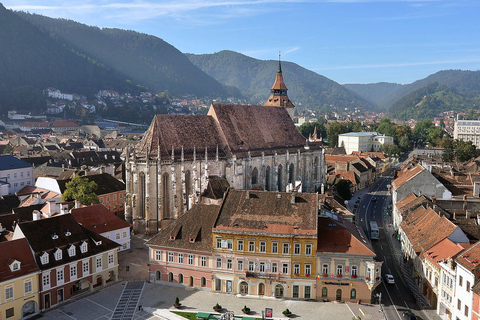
[{"x": 251, "y": 147}]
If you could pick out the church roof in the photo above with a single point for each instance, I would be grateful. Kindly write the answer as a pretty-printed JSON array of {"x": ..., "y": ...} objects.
[
  {"x": 177, "y": 131},
  {"x": 231, "y": 128},
  {"x": 256, "y": 127}
]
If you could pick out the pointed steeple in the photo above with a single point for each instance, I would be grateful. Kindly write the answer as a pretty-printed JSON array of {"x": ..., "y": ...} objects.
[{"x": 278, "y": 96}]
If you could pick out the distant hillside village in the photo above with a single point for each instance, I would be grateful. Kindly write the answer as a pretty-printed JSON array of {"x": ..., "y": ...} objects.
[{"x": 235, "y": 199}]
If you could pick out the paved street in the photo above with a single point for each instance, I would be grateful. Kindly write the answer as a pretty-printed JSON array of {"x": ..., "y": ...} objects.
[
  {"x": 156, "y": 301},
  {"x": 396, "y": 298}
]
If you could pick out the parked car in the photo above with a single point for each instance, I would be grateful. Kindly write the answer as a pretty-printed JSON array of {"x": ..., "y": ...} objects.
[
  {"x": 389, "y": 279},
  {"x": 409, "y": 316}
]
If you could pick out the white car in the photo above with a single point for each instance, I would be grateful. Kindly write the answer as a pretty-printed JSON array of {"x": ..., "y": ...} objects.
[{"x": 389, "y": 279}]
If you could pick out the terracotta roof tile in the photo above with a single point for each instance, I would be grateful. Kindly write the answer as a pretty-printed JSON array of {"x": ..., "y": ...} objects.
[
  {"x": 406, "y": 176},
  {"x": 470, "y": 258},
  {"x": 97, "y": 218},
  {"x": 442, "y": 250},
  {"x": 17, "y": 250},
  {"x": 269, "y": 212}
]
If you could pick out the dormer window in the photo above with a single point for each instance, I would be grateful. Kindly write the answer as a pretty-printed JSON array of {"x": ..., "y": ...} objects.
[
  {"x": 58, "y": 254},
  {"x": 84, "y": 247},
  {"x": 44, "y": 258},
  {"x": 15, "y": 266},
  {"x": 54, "y": 236},
  {"x": 71, "y": 251},
  {"x": 68, "y": 233}
]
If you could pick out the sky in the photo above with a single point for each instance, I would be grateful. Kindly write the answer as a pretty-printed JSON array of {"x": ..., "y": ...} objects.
[{"x": 348, "y": 41}]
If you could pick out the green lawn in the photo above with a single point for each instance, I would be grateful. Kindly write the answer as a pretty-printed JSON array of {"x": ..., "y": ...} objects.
[{"x": 191, "y": 315}]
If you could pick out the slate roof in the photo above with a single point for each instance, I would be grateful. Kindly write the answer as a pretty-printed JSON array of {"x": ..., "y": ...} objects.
[
  {"x": 41, "y": 237},
  {"x": 20, "y": 251},
  {"x": 8, "y": 202},
  {"x": 269, "y": 212},
  {"x": 191, "y": 231},
  {"x": 16, "y": 215},
  {"x": 8, "y": 162},
  {"x": 336, "y": 235},
  {"x": 97, "y": 218}
]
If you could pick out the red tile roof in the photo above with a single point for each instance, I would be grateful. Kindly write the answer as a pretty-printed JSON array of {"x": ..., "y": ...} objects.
[
  {"x": 341, "y": 236},
  {"x": 442, "y": 250},
  {"x": 16, "y": 250},
  {"x": 470, "y": 258},
  {"x": 97, "y": 218},
  {"x": 406, "y": 176},
  {"x": 269, "y": 212}
]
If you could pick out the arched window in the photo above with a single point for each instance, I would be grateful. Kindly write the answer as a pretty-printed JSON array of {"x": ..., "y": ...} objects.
[
  {"x": 267, "y": 178},
  {"x": 158, "y": 275},
  {"x": 142, "y": 193},
  {"x": 353, "y": 294},
  {"x": 291, "y": 173},
  {"x": 188, "y": 184},
  {"x": 324, "y": 292},
  {"x": 166, "y": 195},
  {"x": 170, "y": 277},
  {"x": 254, "y": 176},
  {"x": 180, "y": 278},
  {"x": 279, "y": 178},
  {"x": 203, "y": 282}
]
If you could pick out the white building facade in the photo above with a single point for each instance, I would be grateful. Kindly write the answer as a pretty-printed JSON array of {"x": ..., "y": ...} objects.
[
  {"x": 363, "y": 141},
  {"x": 467, "y": 130},
  {"x": 14, "y": 174}
]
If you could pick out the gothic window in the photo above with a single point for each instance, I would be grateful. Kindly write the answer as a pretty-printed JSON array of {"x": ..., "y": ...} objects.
[
  {"x": 142, "y": 193},
  {"x": 315, "y": 169},
  {"x": 254, "y": 176},
  {"x": 279, "y": 178},
  {"x": 188, "y": 185},
  {"x": 291, "y": 173},
  {"x": 166, "y": 195},
  {"x": 267, "y": 178}
]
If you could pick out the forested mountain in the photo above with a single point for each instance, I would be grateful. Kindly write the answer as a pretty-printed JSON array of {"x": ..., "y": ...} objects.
[
  {"x": 254, "y": 78},
  {"x": 441, "y": 91},
  {"x": 31, "y": 61},
  {"x": 429, "y": 101},
  {"x": 139, "y": 57},
  {"x": 377, "y": 93}
]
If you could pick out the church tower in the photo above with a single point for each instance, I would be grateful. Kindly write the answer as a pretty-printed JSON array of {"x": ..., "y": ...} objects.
[{"x": 279, "y": 97}]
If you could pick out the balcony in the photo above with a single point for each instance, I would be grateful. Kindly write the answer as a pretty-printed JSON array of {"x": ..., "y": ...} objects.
[{"x": 262, "y": 275}]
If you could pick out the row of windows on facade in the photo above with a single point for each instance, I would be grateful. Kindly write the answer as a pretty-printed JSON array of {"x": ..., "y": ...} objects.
[
  {"x": 114, "y": 196},
  {"x": 228, "y": 244},
  {"x": 9, "y": 290},
  {"x": 263, "y": 266},
  {"x": 15, "y": 175},
  {"x": 15, "y": 184},
  {"x": 117, "y": 235},
  {"x": 45, "y": 258},
  {"x": 73, "y": 270},
  {"x": 448, "y": 281}
]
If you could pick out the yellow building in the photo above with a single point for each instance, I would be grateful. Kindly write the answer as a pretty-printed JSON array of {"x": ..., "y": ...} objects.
[
  {"x": 264, "y": 243},
  {"x": 18, "y": 280}
]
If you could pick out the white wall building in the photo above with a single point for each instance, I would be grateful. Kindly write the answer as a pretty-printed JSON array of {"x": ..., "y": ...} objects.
[
  {"x": 363, "y": 141},
  {"x": 467, "y": 130},
  {"x": 14, "y": 174}
]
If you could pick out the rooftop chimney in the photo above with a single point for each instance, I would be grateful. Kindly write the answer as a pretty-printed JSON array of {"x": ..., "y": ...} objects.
[
  {"x": 77, "y": 204},
  {"x": 64, "y": 208},
  {"x": 36, "y": 215}
]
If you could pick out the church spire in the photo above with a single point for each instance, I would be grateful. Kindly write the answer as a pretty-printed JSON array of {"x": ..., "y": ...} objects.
[{"x": 278, "y": 92}]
